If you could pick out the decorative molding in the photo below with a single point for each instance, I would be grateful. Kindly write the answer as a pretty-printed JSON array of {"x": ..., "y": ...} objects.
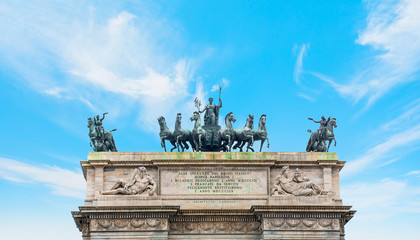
[
  {"x": 301, "y": 224},
  {"x": 215, "y": 227},
  {"x": 99, "y": 225}
]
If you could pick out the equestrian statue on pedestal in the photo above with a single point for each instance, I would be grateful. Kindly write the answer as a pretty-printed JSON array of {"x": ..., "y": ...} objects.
[
  {"x": 101, "y": 140},
  {"x": 316, "y": 142}
]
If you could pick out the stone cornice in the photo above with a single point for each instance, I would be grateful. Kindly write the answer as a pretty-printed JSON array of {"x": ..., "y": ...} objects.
[
  {"x": 261, "y": 159},
  {"x": 148, "y": 156},
  {"x": 342, "y": 212},
  {"x": 308, "y": 208}
]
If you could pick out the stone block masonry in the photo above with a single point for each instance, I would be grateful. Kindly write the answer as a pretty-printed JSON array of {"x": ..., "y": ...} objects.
[{"x": 212, "y": 195}]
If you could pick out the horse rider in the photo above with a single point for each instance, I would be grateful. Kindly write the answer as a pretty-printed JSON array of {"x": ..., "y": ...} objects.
[
  {"x": 322, "y": 127},
  {"x": 98, "y": 125}
]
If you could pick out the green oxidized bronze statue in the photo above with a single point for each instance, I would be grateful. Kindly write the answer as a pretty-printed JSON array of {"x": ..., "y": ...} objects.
[
  {"x": 316, "y": 142},
  {"x": 101, "y": 140},
  {"x": 210, "y": 137},
  {"x": 211, "y": 117}
]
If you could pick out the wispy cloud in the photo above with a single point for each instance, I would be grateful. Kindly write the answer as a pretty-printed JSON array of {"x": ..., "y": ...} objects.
[
  {"x": 408, "y": 117},
  {"x": 306, "y": 97},
  {"x": 224, "y": 84},
  {"x": 61, "y": 181},
  {"x": 80, "y": 55},
  {"x": 371, "y": 198},
  {"x": 392, "y": 29},
  {"x": 299, "y": 63},
  {"x": 384, "y": 150},
  {"x": 416, "y": 172},
  {"x": 402, "y": 132}
]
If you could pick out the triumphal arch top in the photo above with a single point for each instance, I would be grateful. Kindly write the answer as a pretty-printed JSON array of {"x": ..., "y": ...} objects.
[{"x": 212, "y": 192}]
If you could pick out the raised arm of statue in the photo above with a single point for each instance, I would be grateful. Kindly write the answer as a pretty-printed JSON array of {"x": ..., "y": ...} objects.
[
  {"x": 314, "y": 120},
  {"x": 103, "y": 116}
]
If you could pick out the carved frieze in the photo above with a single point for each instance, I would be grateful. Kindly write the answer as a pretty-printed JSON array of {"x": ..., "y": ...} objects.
[
  {"x": 128, "y": 224},
  {"x": 238, "y": 226},
  {"x": 222, "y": 226},
  {"x": 137, "y": 223},
  {"x": 214, "y": 227},
  {"x": 301, "y": 224}
]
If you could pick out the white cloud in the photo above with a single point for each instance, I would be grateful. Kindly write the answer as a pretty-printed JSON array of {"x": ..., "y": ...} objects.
[
  {"x": 306, "y": 97},
  {"x": 383, "y": 150},
  {"x": 55, "y": 91},
  {"x": 416, "y": 172},
  {"x": 61, "y": 181},
  {"x": 393, "y": 29},
  {"x": 380, "y": 207},
  {"x": 70, "y": 51},
  {"x": 299, "y": 63},
  {"x": 408, "y": 117},
  {"x": 371, "y": 198},
  {"x": 225, "y": 83}
]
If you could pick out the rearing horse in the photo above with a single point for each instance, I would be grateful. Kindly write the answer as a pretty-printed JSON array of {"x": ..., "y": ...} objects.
[
  {"x": 261, "y": 133},
  {"x": 227, "y": 135},
  {"x": 101, "y": 144},
  {"x": 165, "y": 134},
  {"x": 182, "y": 135},
  {"x": 316, "y": 138},
  {"x": 198, "y": 133},
  {"x": 245, "y": 135}
]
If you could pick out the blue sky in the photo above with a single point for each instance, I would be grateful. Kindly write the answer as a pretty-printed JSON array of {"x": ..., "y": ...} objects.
[{"x": 64, "y": 61}]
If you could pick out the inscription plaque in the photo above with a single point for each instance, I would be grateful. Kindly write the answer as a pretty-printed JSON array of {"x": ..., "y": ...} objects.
[{"x": 214, "y": 181}]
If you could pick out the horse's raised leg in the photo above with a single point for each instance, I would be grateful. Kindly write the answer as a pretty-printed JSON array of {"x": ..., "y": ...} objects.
[
  {"x": 229, "y": 143},
  {"x": 249, "y": 147},
  {"x": 199, "y": 142},
  {"x": 237, "y": 144},
  {"x": 177, "y": 142},
  {"x": 173, "y": 144},
  {"x": 186, "y": 144},
  {"x": 183, "y": 145},
  {"x": 329, "y": 143},
  {"x": 262, "y": 142},
  {"x": 242, "y": 145},
  {"x": 162, "y": 143}
]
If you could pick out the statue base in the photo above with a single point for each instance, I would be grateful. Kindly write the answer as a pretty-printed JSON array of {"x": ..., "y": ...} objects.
[{"x": 212, "y": 196}]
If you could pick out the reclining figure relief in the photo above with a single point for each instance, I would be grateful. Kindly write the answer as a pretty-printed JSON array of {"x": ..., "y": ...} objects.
[
  {"x": 294, "y": 184},
  {"x": 140, "y": 183}
]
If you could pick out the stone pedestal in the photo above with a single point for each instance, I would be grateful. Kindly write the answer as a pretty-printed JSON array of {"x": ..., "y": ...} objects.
[{"x": 213, "y": 195}]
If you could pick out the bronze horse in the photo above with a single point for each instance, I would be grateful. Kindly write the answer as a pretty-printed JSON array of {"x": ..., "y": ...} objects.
[
  {"x": 227, "y": 135},
  {"x": 246, "y": 135},
  {"x": 166, "y": 134},
  {"x": 101, "y": 144},
  {"x": 198, "y": 133},
  {"x": 182, "y": 135},
  {"x": 316, "y": 141},
  {"x": 261, "y": 133}
]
